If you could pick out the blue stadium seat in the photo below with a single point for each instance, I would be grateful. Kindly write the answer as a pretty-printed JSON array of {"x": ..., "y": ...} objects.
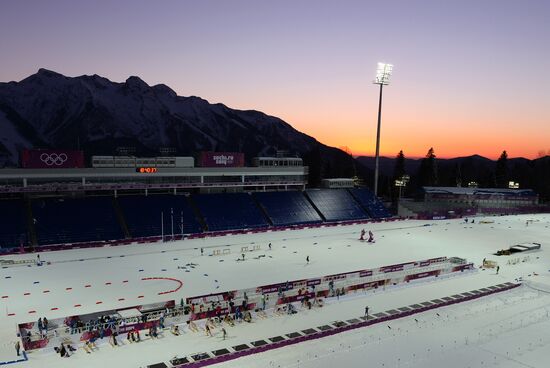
[
  {"x": 336, "y": 204},
  {"x": 75, "y": 220},
  {"x": 13, "y": 228},
  {"x": 369, "y": 201},
  {"x": 143, "y": 215},
  {"x": 287, "y": 208},
  {"x": 228, "y": 211}
]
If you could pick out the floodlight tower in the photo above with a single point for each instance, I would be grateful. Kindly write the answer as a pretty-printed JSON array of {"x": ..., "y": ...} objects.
[{"x": 383, "y": 73}]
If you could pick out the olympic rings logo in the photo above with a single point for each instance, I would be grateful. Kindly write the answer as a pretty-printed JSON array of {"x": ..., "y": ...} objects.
[{"x": 53, "y": 158}]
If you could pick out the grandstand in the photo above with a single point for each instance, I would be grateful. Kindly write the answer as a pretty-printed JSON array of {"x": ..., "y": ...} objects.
[
  {"x": 125, "y": 199},
  {"x": 227, "y": 211},
  {"x": 370, "y": 203},
  {"x": 172, "y": 211},
  {"x": 66, "y": 220},
  {"x": 13, "y": 228},
  {"x": 287, "y": 208},
  {"x": 336, "y": 204}
]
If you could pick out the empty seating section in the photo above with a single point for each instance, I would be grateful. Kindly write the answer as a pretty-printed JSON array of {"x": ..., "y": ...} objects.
[
  {"x": 287, "y": 208},
  {"x": 13, "y": 228},
  {"x": 75, "y": 220},
  {"x": 143, "y": 215},
  {"x": 336, "y": 204},
  {"x": 369, "y": 201},
  {"x": 88, "y": 219},
  {"x": 226, "y": 211}
]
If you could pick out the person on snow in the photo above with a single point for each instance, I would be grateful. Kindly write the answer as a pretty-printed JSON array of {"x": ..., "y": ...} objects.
[{"x": 371, "y": 237}]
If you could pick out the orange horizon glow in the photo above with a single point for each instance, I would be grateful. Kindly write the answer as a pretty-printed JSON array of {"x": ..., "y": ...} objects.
[{"x": 469, "y": 77}]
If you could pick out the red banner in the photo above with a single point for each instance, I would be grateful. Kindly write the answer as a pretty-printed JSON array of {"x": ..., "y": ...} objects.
[{"x": 51, "y": 159}]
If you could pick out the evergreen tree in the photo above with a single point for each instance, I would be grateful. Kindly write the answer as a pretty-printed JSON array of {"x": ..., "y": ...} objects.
[
  {"x": 457, "y": 175},
  {"x": 398, "y": 172},
  {"x": 427, "y": 173},
  {"x": 314, "y": 160},
  {"x": 399, "y": 169},
  {"x": 501, "y": 171}
]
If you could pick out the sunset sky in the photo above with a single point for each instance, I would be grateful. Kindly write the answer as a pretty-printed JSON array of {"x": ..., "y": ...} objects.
[{"x": 470, "y": 76}]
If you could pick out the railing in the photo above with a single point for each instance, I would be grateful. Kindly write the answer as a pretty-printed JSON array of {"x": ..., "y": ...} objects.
[{"x": 70, "y": 187}]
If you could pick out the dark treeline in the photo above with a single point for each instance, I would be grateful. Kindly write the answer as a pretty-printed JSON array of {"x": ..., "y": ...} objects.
[{"x": 432, "y": 171}]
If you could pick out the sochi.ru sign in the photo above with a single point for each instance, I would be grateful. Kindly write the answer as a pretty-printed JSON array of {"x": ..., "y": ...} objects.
[
  {"x": 221, "y": 159},
  {"x": 51, "y": 159}
]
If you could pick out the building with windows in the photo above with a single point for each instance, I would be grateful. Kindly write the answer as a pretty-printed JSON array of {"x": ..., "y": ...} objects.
[
  {"x": 445, "y": 202},
  {"x": 135, "y": 174}
]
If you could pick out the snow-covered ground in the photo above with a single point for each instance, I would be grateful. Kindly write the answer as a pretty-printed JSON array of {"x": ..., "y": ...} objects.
[{"x": 507, "y": 329}]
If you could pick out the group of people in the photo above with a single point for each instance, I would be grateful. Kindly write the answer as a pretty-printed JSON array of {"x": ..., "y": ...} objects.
[
  {"x": 100, "y": 324},
  {"x": 153, "y": 332},
  {"x": 133, "y": 335},
  {"x": 42, "y": 325},
  {"x": 210, "y": 325},
  {"x": 362, "y": 236}
]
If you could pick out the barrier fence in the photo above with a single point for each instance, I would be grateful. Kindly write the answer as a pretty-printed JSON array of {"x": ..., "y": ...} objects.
[
  {"x": 219, "y": 304},
  {"x": 175, "y": 237}
]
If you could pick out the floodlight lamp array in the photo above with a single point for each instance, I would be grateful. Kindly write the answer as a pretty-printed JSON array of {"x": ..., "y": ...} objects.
[{"x": 383, "y": 73}]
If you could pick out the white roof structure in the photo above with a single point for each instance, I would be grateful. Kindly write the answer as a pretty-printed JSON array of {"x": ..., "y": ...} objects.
[
  {"x": 129, "y": 313},
  {"x": 478, "y": 191}
]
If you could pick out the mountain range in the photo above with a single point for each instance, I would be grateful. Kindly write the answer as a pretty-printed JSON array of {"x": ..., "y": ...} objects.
[{"x": 98, "y": 116}]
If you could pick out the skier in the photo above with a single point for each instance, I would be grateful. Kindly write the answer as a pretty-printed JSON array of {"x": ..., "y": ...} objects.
[
  {"x": 307, "y": 260},
  {"x": 208, "y": 332},
  {"x": 202, "y": 251},
  {"x": 17, "y": 347},
  {"x": 371, "y": 237},
  {"x": 224, "y": 332},
  {"x": 269, "y": 245},
  {"x": 367, "y": 311},
  {"x": 498, "y": 269},
  {"x": 243, "y": 256},
  {"x": 362, "y": 237}
]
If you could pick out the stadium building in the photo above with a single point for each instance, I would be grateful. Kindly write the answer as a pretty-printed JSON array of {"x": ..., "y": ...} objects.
[{"x": 54, "y": 200}]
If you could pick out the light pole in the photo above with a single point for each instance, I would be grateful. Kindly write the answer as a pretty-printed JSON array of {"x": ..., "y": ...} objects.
[{"x": 383, "y": 73}]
